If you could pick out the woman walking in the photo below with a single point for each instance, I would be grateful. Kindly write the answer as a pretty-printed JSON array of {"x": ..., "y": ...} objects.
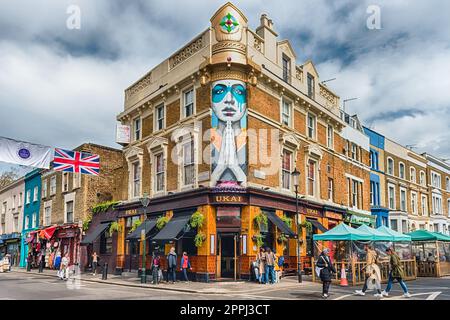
[
  {"x": 172, "y": 265},
  {"x": 261, "y": 258},
  {"x": 326, "y": 268},
  {"x": 396, "y": 273},
  {"x": 185, "y": 264},
  {"x": 372, "y": 272}
]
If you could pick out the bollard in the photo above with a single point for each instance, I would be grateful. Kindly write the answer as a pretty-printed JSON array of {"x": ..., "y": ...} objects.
[{"x": 105, "y": 272}]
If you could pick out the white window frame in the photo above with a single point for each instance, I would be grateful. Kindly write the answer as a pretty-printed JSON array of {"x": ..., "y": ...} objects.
[
  {"x": 436, "y": 204},
  {"x": 157, "y": 119},
  {"x": 400, "y": 164},
  {"x": 330, "y": 136},
  {"x": 35, "y": 193},
  {"x": 284, "y": 171},
  {"x": 448, "y": 207},
  {"x": 412, "y": 174},
  {"x": 353, "y": 151},
  {"x": 314, "y": 128},
  {"x": 447, "y": 183},
  {"x": 47, "y": 218},
  {"x": 44, "y": 188},
  {"x": 424, "y": 205},
  {"x": 315, "y": 178},
  {"x": 156, "y": 172},
  {"x": 53, "y": 185},
  {"x": 391, "y": 187},
  {"x": 76, "y": 180},
  {"x": 137, "y": 179},
  {"x": 185, "y": 165},
  {"x": 34, "y": 220},
  {"x": 405, "y": 207},
  {"x": 422, "y": 178},
  {"x": 436, "y": 180},
  {"x": 414, "y": 200},
  {"x": 392, "y": 171},
  {"x": 65, "y": 182},
  {"x": 66, "y": 211},
  {"x": 184, "y": 105},
  {"x": 28, "y": 197},
  {"x": 330, "y": 188},
  {"x": 290, "y": 109},
  {"x": 137, "y": 128}
]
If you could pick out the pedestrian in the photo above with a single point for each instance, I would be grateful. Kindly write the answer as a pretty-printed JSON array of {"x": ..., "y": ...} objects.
[
  {"x": 270, "y": 265},
  {"x": 185, "y": 265},
  {"x": 41, "y": 262},
  {"x": 395, "y": 273},
  {"x": 65, "y": 267},
  {"x": 326, "y": 269},
  {"x": 172, "y": 265},
  {"x": 255, "y": 268},
  {"x": 372, "y": 272},
  {"x": 94, "y": 263},
  {"x": 261, "y": 258},
  {"x": 279, "y": 268},
  {"x": 155, "y": 266},
  {"x": 9, "y": 261},
  {"x": 29, "y": 260},
  {"x": 431, "y": 257},
  {"x": 57, "y": 264}
]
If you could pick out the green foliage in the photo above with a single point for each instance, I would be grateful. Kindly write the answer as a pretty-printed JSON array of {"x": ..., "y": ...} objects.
[
  {"x": 115, "y": 227},
  {"x": 307, "y": 225},
  {"x": 104, "y": 206},
  {"x": 161, "y": 222},
  {"x": 136, "y": 224},
  {"x": 259, "y": 240},
  {"x": 197, "y": 220},
  {"x": 286, "y": 220},
  {"x": 87, "y": 222},
  {"x": 199, "y": 239},
  {"x": 8, "y": 177},
  {"x": 282, "y": 238},
  {"x": 260, "y": 219}
]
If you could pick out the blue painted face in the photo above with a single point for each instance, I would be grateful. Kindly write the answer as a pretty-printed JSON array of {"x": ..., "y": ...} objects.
[{"x": 229, "y": 99}]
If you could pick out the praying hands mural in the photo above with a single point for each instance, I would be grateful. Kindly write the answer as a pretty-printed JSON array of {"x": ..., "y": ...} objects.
[{"x": 229, "y": 132}]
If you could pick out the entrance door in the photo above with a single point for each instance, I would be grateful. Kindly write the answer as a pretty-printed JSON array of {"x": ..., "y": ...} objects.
[{"x": 227, "y": 245}]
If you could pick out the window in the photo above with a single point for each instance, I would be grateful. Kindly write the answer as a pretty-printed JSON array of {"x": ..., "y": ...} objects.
[
  {"x": 436, "y": 180},
  {"x": 30, "y": 221},
  {"x": 14, "y": 202},
  {"x": 159, "y": 172},
  {"x": 373, "y": 159},
  {"x": 447, "y": 183},
  {"x": 53, "y": 185},
  {"x": 137, "y": 129},
  {"x": 437, "y": 204},
  {"x": 286, "y": 68},
  {"x": 422, "y": 178},
  {"x": 16, "y": 223},
  {"x": 391, "y": 195},
  {"x": 330, "y": 137},
  {"x": 311, "y": 126},
  {"x": 436, "y": 227},
  {"x": 69, "y": 212},
  {"x": 4, "y": 207},
  {"x": 188, "y": 163},
  {"x": 47, "y": 215},
  {"x": 401, "y": 170},
  {"x": 412, "y": 174},
  {"x": 354, "y": 151},
  {"x": 311, "y": 177},
  {"x": 310, "y": 86},
  {"x": 402, "y": 200},
  {"x": 390, "y": 166},
  {"x": 44, "y": 188},
  {"x": 414, "y": 202},
  {"x": 76, "y": 180},
  {"x": 65, "y": 182},
  {"x": 355, "y": 197},
  {"x": 330, "y": 189},
  {"x": 188, "y": 109},
  {"x": 404, "y": 226},
  {"x": 35, "y": 220},
  {"x": 35, "y": 194},
  {"x": 160, "y": 117},
  {"x": 28, "y": 195},
  {"x": 286, "y": 113},
  {"x": 286, "y": 169},
  {"x": 136, "y": 179},
  {"x": 20, "y": 199},
  {"x": 106, "y": 243},
  {"x": 424, "y": 205},
  {"x": 372, "y": 193},
  {"x": 394, "y": 225}
]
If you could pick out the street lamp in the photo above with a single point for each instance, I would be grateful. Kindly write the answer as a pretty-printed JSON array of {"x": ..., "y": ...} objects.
[
  {"x": 296, "y": 177},
  {"x": 145, "y": 200}
]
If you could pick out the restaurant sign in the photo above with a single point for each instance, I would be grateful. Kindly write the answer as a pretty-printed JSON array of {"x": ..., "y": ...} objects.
[
  {"x": 361, "y": 220},
  {"x": 229, "y": 199},
  {"x": 312, "y": 212},
  {"x": 333, "y": 215}
]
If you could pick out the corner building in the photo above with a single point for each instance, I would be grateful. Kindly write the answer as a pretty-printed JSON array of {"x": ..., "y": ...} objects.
[{"x": 218, "y": 128}]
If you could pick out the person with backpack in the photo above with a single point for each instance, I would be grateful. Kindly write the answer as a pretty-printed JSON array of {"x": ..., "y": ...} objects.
[
  {"x": 156, "y": 265},
  {"x": 325, "y": 269},
  {"x": 396, "y": 273},
  {"x": 372, "y": 272},
  {"x": 172, "y": 265},
  {"x": 185, "y": 265}
]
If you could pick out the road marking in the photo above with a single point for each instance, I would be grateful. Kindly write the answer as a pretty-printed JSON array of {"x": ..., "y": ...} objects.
[
  {"x": 431, "y": 296},
  {"x": 344, "y": 296}
]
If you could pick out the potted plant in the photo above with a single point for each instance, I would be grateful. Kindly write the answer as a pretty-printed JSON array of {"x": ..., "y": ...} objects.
[
  {"x": 135, "y": 225},
  {"x": 114, "y": 227},
  {"x": 161, "y": 222},
  {"x": 200, "y": 237}
]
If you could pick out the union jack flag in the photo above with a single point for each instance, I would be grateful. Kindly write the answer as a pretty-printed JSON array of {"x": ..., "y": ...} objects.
[{"x": 76, "y": 162}]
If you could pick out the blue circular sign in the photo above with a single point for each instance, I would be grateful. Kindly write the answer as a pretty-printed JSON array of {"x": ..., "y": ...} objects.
[{"x": 24, "y": 153}]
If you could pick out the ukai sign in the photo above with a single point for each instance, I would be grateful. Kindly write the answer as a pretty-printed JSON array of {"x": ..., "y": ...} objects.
[{"x": 228, "y": 199}]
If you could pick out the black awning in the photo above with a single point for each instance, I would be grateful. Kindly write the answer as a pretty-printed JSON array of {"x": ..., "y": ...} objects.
[
  {"x": 318, "y": 225},
  {"x": 280, "y": 224},
  {"x": 173, "y": 228},
  {"x": 92, "y": 236},
  {"x": 149, "y": 225}
]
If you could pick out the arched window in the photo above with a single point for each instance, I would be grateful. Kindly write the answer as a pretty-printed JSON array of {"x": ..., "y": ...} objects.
[
  {"x": 412, "y": 174},
  {"x": 422, "y": 178},
  {"x": 390, "y": 166},
  {"x": 401, "y": 170},
  {"x": 447, "y": 183}
]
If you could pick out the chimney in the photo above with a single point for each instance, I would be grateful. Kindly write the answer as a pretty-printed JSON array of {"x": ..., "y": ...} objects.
[{"x": 265, "y": 31}]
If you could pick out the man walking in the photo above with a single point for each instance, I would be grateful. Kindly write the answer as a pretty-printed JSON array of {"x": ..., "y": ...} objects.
[
  {"x": 171, "y": 265},
  {"x": 372, "y": 272},
  {"x": 270, "y": 264},
  {"x": 396, "y": 272}
]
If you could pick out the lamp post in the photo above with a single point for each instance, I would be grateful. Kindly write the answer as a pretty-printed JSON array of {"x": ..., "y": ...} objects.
[
  {"x": 296, "y": 178},
  {"x": 145, "y": 200}
]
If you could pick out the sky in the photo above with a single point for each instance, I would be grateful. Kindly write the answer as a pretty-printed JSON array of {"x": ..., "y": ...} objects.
[{"x": 62, "y": 87}]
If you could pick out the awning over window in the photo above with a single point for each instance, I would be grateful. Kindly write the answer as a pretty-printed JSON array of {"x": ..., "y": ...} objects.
[
  {"x": 173, "y": 228},
  {"x": 149, "y": 225},
  {"x": 47, "y": 233},
  {"x": 92, "y": 236},
  {"x": 318, "y": 225},
  {"x": 280, "y": 224}
]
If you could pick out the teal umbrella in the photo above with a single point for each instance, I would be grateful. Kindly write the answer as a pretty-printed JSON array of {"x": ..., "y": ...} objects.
[
  {"x": 424, "y": 235},
  {"x": 397, "y": 235},
  {"x": 377, "y": 235},
  {"x": 343, "y": 232}
]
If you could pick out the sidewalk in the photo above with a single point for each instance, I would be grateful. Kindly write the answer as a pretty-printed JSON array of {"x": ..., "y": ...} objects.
[{"x": 180, "y": 286}]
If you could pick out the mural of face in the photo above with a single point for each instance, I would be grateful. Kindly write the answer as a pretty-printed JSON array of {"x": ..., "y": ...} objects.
[{"x": 229, "y": 99}]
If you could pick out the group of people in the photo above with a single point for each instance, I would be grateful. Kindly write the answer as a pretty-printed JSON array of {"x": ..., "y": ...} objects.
[
  {"x": 325, "y": 270},
  {"x": 171, "y": 259},
  {"x": 267, "y": 267},
  {"x": 61, "y": 264}
]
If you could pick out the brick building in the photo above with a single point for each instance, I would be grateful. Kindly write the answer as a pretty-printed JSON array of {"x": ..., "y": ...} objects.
[{"x": 217, "y": 129}]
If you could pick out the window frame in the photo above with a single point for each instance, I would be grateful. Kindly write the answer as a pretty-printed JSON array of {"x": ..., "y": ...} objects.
[
  {"x": 185, "y": 165},
  {"x": 400, "y": 175},
  {"x": 314, "y": 128},
  {"x": 53, "y": 185},
  {"x": 287, "y": 171},
  {"x": 330, "y": 144},
  {"x": 137, "y": 129},
  {"x": 390, "y": 169},
  {"x": 424, "y": 204},
  {"x": 44, "y": 188},
  {"x": 412, "y": 176},
  {"x": 414, "y": 202},
  {"x": 183, "y": 111},
  {"x": 310, "y": 85},
  {"x": 330, "y": 188},
  {"x": 67, "y": 211},
  {"x": 157, "y": 119},
  {"x": 159, "y": 173},
  {"x": 65, "y": 182},
  {"x": 391, "y": 187},
  {"x": 311, "y": 180},
  {"x": 137, "y": 179},
  {"x": 287, "y": 102},
  {"x": 35, "y": 193},
  {"x": 403, "y": 191},
  {"x": 286, "y": 70}
]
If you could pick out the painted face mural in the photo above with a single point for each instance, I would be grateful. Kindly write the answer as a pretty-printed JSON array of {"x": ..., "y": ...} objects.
[{"x": 229, "y": 131}]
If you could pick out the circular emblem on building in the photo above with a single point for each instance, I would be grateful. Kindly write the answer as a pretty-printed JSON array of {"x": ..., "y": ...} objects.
[
  {"x": 229, "y": 23},
  {"x": 24, "y": 153}
]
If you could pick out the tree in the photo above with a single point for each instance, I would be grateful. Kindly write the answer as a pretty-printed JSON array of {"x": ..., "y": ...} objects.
[{"x": 8, "y": 177}]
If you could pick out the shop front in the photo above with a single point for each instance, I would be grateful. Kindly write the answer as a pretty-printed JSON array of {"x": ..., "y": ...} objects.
[
  {"x": 356, "y": 219},
  {"x": 10, "y": 244}
]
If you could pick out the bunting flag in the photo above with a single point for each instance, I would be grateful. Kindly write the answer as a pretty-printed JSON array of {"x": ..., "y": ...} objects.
[
  {"x": 25, "y": 153},
  {"x": 76, "y": 162}
]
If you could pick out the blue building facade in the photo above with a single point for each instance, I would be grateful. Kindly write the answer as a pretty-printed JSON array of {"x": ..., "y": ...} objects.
[
  {"x": 377, "y": 185},
  {"x": 32, "y": 203}
]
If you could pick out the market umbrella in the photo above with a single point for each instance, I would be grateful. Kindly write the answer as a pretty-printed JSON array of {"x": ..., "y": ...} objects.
[
  {"x": 343, "y": 232},
  {"x": 424, "y": 235},
  {"x": 397, "y": 235},
  {"x": 377, "y": 235}
]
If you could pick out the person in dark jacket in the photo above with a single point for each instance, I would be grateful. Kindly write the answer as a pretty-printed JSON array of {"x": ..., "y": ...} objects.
[
  {"x": 395, "y": 273},
  {"x": 327, "y": 269},
  {"x": 172, "y": 265},
  {"x": 29, "y": 261},
  {"x": 156, "y": 264}
]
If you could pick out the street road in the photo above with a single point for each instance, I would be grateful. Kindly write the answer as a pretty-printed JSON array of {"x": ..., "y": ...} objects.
[{"x": 15, "y": 285}]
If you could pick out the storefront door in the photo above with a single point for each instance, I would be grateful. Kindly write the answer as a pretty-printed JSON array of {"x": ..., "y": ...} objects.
[{"x": 227, "y": 246}]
